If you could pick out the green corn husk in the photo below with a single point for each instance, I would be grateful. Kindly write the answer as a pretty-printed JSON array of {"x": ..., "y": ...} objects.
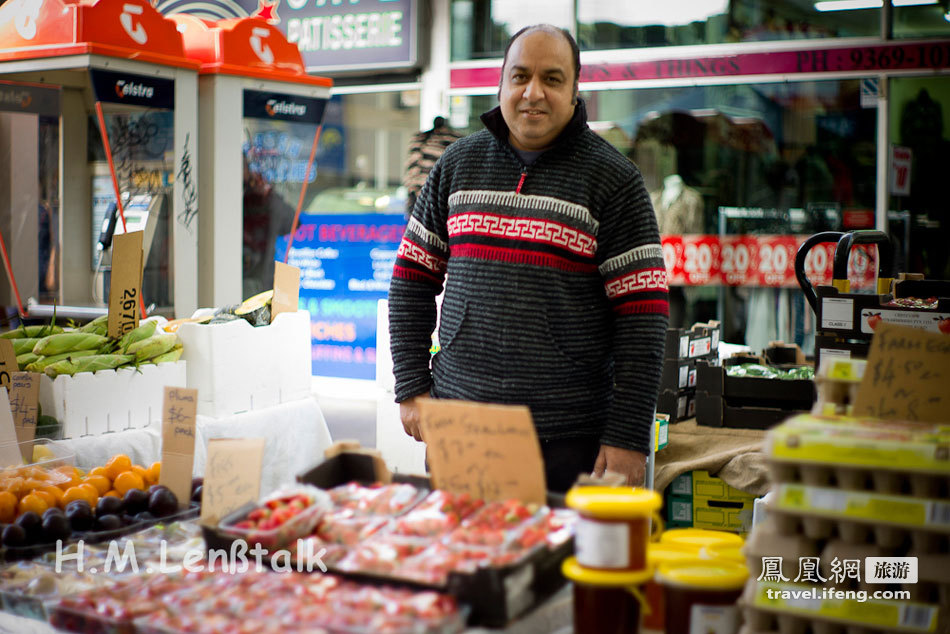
[
  {"x": 68, "y": 342},
  {"x": 40, "y": 364},
  {"x": 152, "y": 347},
  {"x": 24, "y": 345},
  {"x": 31, "y": 332},
  {"x": 168, "y": 357},
  {"x": 25, "y": 359},
  {"x": 96, "y": 325},
  {"x": 92, "y": 363},
  {"x": 144, "y": 331}
]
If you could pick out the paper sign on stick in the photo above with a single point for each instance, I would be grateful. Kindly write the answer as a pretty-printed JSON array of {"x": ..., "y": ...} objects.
[
  {"x": 286, "y": 289},
  {"x": 8, "y": 364},
  {"x": 232, "y": 476},
  {"x": 178, "y": 441},
  {"x": 126, "y": 285},
  {"x": 24, "y": 405},
  {"x": 907, "y": 375},
  {"x": 9, "y": 452},
  {"x": 490, "y": 452}
]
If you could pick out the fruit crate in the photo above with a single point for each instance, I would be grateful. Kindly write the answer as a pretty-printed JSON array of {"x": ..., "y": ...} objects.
[{"x": 494, "y": 595}]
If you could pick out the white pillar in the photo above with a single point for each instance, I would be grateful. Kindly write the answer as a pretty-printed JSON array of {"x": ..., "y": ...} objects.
[{"x": 435, "y": 78}]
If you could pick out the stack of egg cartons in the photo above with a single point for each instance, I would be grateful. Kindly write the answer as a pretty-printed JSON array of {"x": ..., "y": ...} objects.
[{"x": 861, "y": 512}]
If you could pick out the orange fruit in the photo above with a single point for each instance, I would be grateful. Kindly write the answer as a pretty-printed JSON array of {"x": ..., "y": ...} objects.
[
  {"x": 129, "y": 480},
  {"x": 75, "y": 493},
  {"x": 99, "y": 471},
  {"x": 154, "y": 471},
  {"x": 117, "y": 464},
  {"x": 8, "y": 503},
  {"x": 46, "y": 496},
  {"x": 32, "y": 502},
  {"x": 92, "y": 494},
  {"x": 112, "y": 493},
  {"x": 67, "y": 477},
  {"x": 101, "y": 483},
  {"x": 141, "y": 471},
  {"x": 55, "y": 492}
]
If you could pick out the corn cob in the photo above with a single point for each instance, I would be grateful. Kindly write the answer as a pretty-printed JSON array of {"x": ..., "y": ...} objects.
[
  {"x": 92, "y": 363},
  {"x": 68, "y": 342},
  {"x": 152, "y": 347},
  {"x": 25, "y": 332},
  {"x": 97, "y": 324},
  {"x": 25, "y": 359},
  {"x": 144, "y": 331},
  {"x": 40, "y": 364},
  {"x": 24, "y": 345},
  {"x": 171, "y": 356}
]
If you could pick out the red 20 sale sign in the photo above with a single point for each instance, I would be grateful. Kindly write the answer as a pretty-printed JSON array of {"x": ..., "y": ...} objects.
[
  {"x": 739, "y": 260},
  {"x": 776, "y": 264},
  {"x": 692, "y": 260}
]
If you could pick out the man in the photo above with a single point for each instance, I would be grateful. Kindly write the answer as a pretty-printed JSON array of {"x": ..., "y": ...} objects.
[
  {"x": 556, "y": 292},
  {"x": 425, "y": 148}
]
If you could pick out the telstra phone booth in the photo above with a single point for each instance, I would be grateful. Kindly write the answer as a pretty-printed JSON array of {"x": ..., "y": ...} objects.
[
  {"x": 68, "y": 69},
  {"x": 259, "y": 116}
]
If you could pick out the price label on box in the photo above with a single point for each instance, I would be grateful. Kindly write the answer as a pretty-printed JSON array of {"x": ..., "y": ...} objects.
[{"x": 126, "y": 286}]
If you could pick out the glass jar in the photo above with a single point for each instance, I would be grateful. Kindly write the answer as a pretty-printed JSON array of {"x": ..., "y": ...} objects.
[
  {"x": 614, "y": 526},
  {"x": 701, "y": 596},
  {"x": 657, "y": 555},
  {"x": 606, "y": 602}
]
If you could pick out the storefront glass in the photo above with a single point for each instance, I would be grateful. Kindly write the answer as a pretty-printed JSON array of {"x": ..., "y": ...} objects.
[
  {"x": 924, "y": 18},
  {"x": 603, "y": 24},
  {"x": 770, "y": 159},
  {"x": 481, "y": 28},
  {"x": 350, "y": 224}
]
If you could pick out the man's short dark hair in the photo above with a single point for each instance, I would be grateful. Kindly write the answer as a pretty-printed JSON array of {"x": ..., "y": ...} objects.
[{"x": 547, "y": 28}]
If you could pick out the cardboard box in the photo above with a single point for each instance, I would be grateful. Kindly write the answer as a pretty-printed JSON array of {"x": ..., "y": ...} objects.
[
  {"x": 700, "y": 341},
  {"x": 237, "y": 367},
  {"x": 712, "y": 410},
  {"x": 110, "y": 400},
  {"x": 699, "y": 512},
  {"x": 678, "y": 405},
  {"x": 678, "y": 374},
  {"x": 854, "y": 315},
  {"x": 700, "y": 483},
  {"x": 829, "y": 348},
  {"x": 662, "y": 435},
  {"x": 755, "y": 390}
]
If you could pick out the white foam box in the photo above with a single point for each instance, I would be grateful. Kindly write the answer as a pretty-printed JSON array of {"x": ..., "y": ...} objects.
[
  {"x": 109, "y": 400},
  {"x": 237, "y": 367}
]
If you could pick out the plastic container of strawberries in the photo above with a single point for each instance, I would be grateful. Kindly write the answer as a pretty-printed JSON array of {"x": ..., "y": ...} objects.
[{"x": 286, "y": 533}]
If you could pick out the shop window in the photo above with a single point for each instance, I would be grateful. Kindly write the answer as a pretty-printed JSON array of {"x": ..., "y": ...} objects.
[
  {"x": 603, "y": 24},
  {"x": 482, "y": 28},
  {"x": 924, "y": 18}
]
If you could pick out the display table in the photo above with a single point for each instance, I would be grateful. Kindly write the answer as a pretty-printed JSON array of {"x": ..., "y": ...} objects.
[
  {"x": 296, "y": 435},
  {"x": 735, "y": 455}
]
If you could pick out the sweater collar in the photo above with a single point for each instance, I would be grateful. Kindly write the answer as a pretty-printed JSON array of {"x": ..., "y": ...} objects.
[{"x": 495, "y": 124}]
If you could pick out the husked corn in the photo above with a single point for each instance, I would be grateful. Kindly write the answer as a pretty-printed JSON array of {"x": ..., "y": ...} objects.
[
  {"x": 92, "y": 363},
  {"x": 153, "y": 346},
  {"x": 144, "y": 331},
  {"x": 40, "y": 364},
  {"x": 23, "y": 345},
  {"x": 68, "y": 341}
]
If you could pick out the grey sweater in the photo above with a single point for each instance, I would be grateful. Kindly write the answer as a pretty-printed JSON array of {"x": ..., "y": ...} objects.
[{"x": 555, "y": 288}]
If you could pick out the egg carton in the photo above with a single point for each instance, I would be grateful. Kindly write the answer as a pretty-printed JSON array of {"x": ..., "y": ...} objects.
[
  {"x": 820, "y": 615},
  {"x": 869, "y": 479}
]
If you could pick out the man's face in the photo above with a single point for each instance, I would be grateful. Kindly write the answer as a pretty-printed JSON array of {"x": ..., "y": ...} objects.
[{"x": 537, "y": 89}]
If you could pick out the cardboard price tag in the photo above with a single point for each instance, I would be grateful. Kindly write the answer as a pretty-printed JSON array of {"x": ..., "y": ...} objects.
[
  {"x": 24, "y": 405},
  {"x": 286, "y": 290},
  {"x": 906, "y": 377},
  {"x": 8, "y": 363},
  {"x": 232, "y": 476},
  {"x": 9, "y": 452},
  {"x": 126, "y": 286},
  {"x": 179, "y": 429},
  {"x": 490, "y": 452}
]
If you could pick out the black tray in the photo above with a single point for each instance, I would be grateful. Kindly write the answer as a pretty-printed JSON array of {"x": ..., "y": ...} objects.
[
  {"x": 755, "y": 391},
  {"x": 496, "y": 596}
]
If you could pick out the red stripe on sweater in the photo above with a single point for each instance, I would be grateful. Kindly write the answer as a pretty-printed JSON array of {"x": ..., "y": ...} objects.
[
  {"x": 644, "y": 306},
  {"x": 519, "y": 256},
  {"x": 415, "y": 276},
  {"x": 640, "y": 281}
]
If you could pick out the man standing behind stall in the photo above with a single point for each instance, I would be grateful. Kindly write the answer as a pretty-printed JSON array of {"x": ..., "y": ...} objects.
[{"x": 555, "y": 288}]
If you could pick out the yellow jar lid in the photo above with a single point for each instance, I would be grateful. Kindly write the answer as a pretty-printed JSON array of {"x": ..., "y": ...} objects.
[
  {"x": 725, "y": 551},
  {"x": 699, "y": 537},
  {"x": 708, "y": 575},
  {"x": 613, "y": 502},
  {"x": 661, "y": 553},
  {"x": 605, "y": 578}
]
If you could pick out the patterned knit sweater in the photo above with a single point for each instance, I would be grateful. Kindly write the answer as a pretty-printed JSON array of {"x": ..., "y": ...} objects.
[{"x": 555, "y": 288}]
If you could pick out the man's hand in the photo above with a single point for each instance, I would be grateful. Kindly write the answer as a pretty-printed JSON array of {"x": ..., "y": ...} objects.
[
  {"x": 623, "y": 461},
  {"x": 409, "y": 415}
]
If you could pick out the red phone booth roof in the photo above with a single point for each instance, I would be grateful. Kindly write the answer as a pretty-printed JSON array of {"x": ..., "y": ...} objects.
[
  {"x": 128, "y": 29},
  {"x": 246, "y": 47}
]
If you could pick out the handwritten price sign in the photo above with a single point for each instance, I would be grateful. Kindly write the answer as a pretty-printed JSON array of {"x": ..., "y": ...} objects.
[
  {"x": 126, "y": 285},
  {"x": 178, "y": 441},
  {"x": 232, "y": 476}
]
